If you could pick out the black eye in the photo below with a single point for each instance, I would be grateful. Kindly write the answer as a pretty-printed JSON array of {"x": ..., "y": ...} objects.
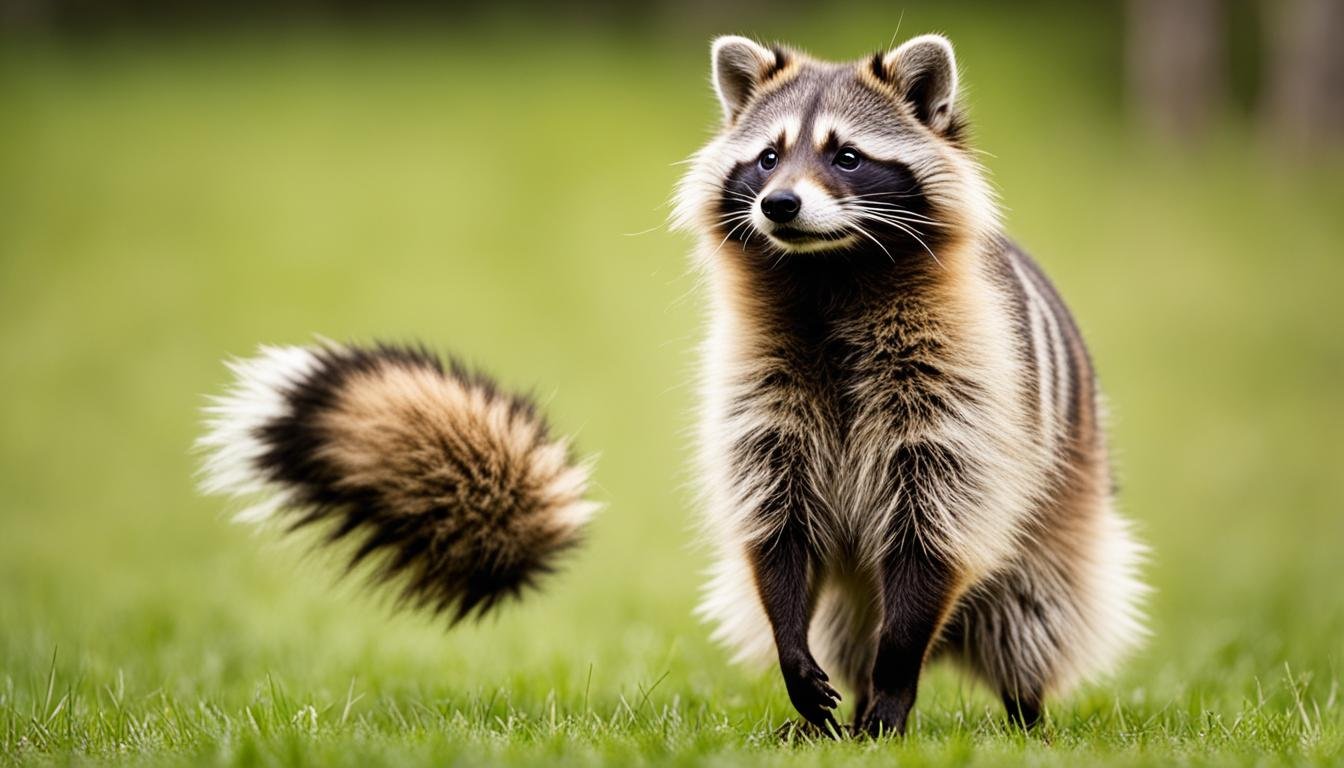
[
  {"x": 847, "y": 159},
  {"x": 769, "y": 159}
]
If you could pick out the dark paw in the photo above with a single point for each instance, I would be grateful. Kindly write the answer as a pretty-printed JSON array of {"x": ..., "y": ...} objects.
[
  {"x": 886, "y": 716},
  {"x": 1025, "y": 713},
  {"x": 811, "y": 694}
]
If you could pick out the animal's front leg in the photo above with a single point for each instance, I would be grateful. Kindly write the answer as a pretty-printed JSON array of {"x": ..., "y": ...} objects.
[
  {"x": 916, "y": 587},
  {"x": 781, "y": 565}
]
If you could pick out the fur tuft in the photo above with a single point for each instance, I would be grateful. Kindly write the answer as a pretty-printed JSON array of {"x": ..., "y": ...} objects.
[{"x": 453, "y": 487}]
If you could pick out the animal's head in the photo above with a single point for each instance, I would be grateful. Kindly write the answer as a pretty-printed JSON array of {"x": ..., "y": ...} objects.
[{"x": 817, "y": 157}]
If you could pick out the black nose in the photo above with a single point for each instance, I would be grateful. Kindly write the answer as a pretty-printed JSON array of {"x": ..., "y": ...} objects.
[{"x": 781, "y": 206}]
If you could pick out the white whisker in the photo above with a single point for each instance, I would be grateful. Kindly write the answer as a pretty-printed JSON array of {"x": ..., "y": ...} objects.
[
  {"x": 877, "y": 242},
  {"x": 906, "y": 228}
]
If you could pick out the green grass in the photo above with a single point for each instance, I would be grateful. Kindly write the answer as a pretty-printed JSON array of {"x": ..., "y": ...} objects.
[{"x": 166, "y": 203}]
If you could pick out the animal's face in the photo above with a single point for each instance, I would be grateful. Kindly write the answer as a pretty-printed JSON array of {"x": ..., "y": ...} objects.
[{"x": 815, "y": 156}]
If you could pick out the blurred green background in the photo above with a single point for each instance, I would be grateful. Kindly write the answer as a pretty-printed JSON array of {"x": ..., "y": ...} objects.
[{"x": 497, "y": 187}]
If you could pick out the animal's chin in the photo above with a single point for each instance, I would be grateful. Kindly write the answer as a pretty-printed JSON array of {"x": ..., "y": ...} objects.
[{"x": 800, "y": 241}]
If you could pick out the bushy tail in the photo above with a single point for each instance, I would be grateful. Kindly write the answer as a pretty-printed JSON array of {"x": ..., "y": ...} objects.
[{"x": 455, "y": 488}]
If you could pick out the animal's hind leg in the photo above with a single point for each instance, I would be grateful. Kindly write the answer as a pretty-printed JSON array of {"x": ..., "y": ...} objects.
[
  {"x": 1061, "y": 613},
  {"x": 1008, "y": 632}
]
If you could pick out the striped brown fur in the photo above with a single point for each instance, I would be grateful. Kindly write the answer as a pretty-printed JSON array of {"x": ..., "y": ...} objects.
[{"x": 455, "y": 489}]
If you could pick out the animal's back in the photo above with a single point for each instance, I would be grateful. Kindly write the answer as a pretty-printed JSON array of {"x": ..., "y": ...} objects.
[{"x": 1066, "y": 607}]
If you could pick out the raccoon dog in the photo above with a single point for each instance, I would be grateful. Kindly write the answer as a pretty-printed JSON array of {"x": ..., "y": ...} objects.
[{"x": 902, "y": 446}]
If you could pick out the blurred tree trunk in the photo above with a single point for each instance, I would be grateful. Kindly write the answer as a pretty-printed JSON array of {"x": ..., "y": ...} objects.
[
  {"x": 1304, "y": 102},
  {"x": 1176, "y": 62}
]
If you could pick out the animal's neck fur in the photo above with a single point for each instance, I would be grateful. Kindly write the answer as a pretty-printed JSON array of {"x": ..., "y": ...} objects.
[{"x": 807, "y": 303}]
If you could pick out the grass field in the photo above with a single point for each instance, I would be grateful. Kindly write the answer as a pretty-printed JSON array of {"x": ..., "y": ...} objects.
[{"x": 165, "y": 203}]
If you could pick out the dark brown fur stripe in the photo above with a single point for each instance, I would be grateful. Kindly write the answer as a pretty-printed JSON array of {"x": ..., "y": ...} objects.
[
  {"x": 1079, "y": 413},
  {"x": 781, "y": 61},
  {"x": 876, "y": 66},
  {"x": 1021, "y": 315}
]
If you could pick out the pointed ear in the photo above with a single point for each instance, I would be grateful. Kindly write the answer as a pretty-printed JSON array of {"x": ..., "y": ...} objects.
[
  {"x": 924, "y": 73},
  {"x": 739, "y": 66}
]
